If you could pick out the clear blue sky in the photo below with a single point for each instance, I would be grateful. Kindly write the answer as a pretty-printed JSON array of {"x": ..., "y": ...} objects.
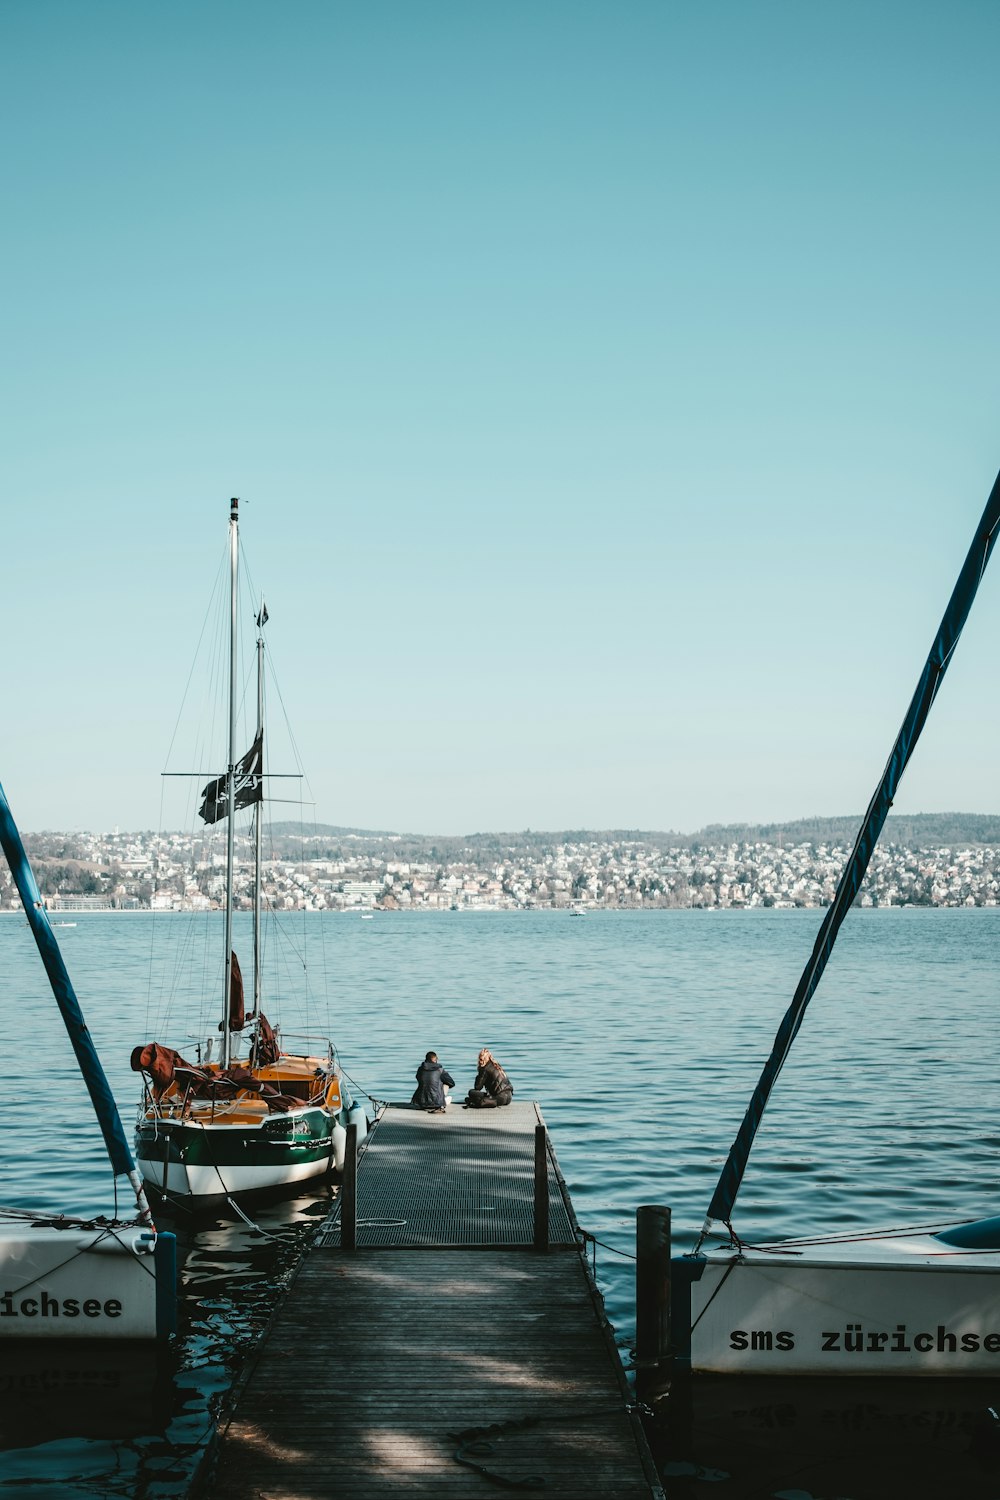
[{"x": 611, "y": 389}]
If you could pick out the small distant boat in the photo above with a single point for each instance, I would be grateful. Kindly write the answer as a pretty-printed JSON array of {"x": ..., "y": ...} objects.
[
  {"x": 367, "y": 916},
  {"x": 64, "y": 924},
  {"x": 258, "y": 1118},
  {"x": 72, "y": 1278},
  {"x": 921, "y": 1301}
]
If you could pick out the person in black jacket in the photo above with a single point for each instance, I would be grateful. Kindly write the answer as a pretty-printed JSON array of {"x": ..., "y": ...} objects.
[
  {"x": 431, "y": 1079},
  {"x": 492, "y": 1086}
]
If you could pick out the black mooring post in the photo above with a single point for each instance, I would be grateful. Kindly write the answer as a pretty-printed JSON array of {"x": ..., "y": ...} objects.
[
  {"x": 652, "y": 1285},
  {"x": 541, "y": 1190},
  {"x": 349, "y": 1193}
]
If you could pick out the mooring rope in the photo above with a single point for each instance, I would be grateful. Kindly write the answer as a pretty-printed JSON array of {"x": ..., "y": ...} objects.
[
  {"x": 585, "y": 1238},
  {"x": 474, "y": 1440}
]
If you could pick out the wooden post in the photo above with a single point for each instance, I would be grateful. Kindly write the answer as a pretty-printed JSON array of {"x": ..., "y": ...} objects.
[
  {"x": 349, "y": 1193},
  {"x": 652, "y": 1285},
  {"x": 541, "y": 1190}
]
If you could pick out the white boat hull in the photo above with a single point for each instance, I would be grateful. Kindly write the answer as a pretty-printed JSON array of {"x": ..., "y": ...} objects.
[
  {"x": 908, "y": 1306},
  {"x": 186, "y": 1180},
  {"x": 182, "y": 1181},
  {"x": 81, "y": 1283}
]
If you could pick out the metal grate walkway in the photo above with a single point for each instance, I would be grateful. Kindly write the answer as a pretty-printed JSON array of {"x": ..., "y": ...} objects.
[{"x": 464, "y": 1178}]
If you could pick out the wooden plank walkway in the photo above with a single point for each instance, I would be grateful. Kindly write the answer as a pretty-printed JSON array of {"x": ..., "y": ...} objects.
[{"x": 442, "y": 1367}]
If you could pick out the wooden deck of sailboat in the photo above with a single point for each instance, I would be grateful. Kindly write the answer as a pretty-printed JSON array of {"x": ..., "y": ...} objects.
[{"x": 444, "y": 1350}]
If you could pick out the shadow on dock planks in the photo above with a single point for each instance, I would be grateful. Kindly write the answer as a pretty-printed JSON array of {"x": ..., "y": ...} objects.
[{"x": 436, "y": 1369}]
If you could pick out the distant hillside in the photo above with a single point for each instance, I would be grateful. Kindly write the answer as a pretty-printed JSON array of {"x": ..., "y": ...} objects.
[{"x": 913, "y": 831}]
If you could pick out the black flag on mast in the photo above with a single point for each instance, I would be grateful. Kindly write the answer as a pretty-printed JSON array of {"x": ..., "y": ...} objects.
[{"x": 247, "y": 781}]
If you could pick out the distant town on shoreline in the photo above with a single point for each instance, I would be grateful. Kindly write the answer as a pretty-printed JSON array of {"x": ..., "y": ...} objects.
[{"x": 926, "y": 859}]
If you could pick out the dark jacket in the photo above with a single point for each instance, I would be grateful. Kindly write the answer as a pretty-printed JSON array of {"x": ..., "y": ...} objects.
[
  {"x": 494, "y": 1080},
  {"x": 431, "y": 1078}
]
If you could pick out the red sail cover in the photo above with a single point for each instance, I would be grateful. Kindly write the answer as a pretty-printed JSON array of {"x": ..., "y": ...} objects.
[
  {"x": 265, "y": 1048},
  {"x": 237, "y": 1014}
]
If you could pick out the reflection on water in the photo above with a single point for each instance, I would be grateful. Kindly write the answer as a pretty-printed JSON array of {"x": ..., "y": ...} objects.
[
  {"x": 135, "y": 1421},
  {"x": 52, "y": 1391},
  {"x": 641, "y": 1034},
  {"x": 814, "y": 1440}
]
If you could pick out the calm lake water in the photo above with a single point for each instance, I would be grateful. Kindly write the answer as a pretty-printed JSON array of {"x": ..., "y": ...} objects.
[{"x": 641, "y": 1034}]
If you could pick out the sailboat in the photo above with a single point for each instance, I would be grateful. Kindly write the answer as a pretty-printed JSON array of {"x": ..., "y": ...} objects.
[
  {"x": 890, "y": 1303},
  {"x": 257, "y": 1118},
  {"x": 64, "y": 1278}
]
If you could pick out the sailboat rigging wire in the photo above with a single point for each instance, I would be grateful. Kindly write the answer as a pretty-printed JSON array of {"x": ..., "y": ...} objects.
[
  {"x": 360, "y": 1087},
  {"x": 942, "y": 649},
  {"x": 211, "y": 606},
  {"x": 63, "y": 1221},
  {"x": 722, "y": 1281},
  {"x": 907, "y": 1231},
  {"x": 82, "y": 1250}
]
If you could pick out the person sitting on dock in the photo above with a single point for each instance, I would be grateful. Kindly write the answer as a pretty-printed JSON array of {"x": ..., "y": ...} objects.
[
  {"x": 432, "y": 1080},
  {"x": 492, "y": 1086}
]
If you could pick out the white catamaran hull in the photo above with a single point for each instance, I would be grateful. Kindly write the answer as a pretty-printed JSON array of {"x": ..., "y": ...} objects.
[
  {"x": 80, "y": 1283},
  {"x": 906, "y": 1307}
]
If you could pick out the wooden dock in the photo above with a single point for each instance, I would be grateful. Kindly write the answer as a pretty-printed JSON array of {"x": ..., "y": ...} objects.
[{"x": 444, "y": 1355}]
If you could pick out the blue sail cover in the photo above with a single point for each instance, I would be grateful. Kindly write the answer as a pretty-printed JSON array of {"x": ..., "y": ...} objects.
[
  {"x": 86, "y": 1053},
  {"x": 931, "y": 678}
]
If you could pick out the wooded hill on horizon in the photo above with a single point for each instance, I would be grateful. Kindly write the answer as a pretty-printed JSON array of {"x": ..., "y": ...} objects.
[{"x": 913, "y": 831}]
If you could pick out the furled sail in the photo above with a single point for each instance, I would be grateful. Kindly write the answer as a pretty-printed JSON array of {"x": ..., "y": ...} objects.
[
  {"x": 237, "y": 1011},
  {"x": 248, "y": 785},
  {"x": 931, "y": 678}
]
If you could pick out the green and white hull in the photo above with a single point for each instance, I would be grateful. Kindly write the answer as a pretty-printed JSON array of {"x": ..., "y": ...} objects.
[
  {"x": 196, "y": 1162},
  {"x": 191, "y": 1160}
]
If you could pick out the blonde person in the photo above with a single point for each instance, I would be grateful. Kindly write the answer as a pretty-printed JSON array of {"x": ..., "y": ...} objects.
[{"x": 492, "y": 1086}]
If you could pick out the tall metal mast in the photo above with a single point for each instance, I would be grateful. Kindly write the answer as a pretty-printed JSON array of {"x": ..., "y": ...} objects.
[
  {"x": 234, "y": 505},
  {"x": 258, "y": 809}
]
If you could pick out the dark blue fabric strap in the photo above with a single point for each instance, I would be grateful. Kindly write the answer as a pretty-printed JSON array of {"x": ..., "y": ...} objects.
[
  {"x": 931, "y": 678},
  {"x": 62, "y": 988}
]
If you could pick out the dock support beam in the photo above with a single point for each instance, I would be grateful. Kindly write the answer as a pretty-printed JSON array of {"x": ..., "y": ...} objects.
[
  {"x": 541, "y": 1190},
  {"x": 652, "y": 1285},
  {"x": 349, "y": 1193}
]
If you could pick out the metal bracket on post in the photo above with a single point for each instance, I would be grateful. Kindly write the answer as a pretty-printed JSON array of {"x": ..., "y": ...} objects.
[
  {"x": 541, "y": 1190},
  {"x": 349, "y": 1193},
  {"x": 652, "y": 1286}
]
